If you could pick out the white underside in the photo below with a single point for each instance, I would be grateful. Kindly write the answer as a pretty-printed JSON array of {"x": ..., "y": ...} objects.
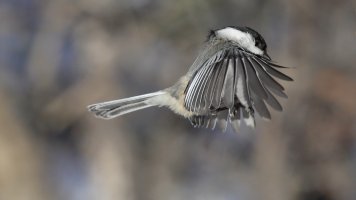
[
  {"x": 170, "y": 102},
  {"x": 250, "y": 121}
]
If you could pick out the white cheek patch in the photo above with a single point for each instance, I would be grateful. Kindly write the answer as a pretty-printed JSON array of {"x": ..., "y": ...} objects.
[{"x": 245, "y": 40}]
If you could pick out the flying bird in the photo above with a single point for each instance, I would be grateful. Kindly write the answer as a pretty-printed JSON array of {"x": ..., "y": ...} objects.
[{"x": 231, "y": 80}]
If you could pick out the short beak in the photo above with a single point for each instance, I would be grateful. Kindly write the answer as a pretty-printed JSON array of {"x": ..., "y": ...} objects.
[{"x": 267, "y": 56}]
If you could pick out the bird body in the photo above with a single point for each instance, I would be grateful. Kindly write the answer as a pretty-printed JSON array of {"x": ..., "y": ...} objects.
[{"x": 232, "y": 78}]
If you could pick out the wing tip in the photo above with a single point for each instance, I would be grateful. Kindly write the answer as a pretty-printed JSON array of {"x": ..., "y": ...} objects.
[{"x": 274, "y": 63}]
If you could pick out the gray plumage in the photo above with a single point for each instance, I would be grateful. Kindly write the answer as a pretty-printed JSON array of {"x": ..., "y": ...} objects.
[{"x": 232, "y": 79}]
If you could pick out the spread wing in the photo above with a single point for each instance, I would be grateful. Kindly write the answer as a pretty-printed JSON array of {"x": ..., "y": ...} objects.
[{"x": 234, "y": 79}]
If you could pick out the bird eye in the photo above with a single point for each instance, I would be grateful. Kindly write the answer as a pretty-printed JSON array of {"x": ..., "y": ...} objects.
[
  {"x": 261, "y": 45},
  {"x": 258, "y": 44}
]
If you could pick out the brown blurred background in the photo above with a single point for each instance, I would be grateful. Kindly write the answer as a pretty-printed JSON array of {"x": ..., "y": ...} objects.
[{"x": 58, "y": 56}]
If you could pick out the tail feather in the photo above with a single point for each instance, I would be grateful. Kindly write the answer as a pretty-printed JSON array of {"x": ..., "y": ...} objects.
[{"x": 111, "y": 109}]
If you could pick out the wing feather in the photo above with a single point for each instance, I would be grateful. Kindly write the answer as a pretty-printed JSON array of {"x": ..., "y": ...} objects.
[
  {"x": 236, "y": 119},
  {"x": 223, "y": 118},
  {"x": 260, "y": 106},
  {"x": 231, "y": 86},
  {"x": 202, "y": 92},
  {"x": 273, "y": 102},
  {"x": 219, "y": 85},
  {"x": 189, "y": 93},
  {"x": 209, "y": 95},
  {"x": 269, "y": 69},
  {"x": 227, "y": 94},
  {"x": 253, "y": 81},
  {"x": 199, "y": 103},
  {"x": 195, "y": 99},
  {"x": 265, "y": 78},
  {"x": 197, "y": 89},
  {"x": 196, "y": 84},
  {"x": 241, "y": 84}
]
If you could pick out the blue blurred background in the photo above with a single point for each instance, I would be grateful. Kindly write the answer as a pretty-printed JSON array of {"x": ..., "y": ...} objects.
[{"x": 58, "y": 56}]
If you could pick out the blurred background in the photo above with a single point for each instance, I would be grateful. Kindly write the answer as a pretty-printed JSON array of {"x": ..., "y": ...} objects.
[{"x": 58, "y": 56}]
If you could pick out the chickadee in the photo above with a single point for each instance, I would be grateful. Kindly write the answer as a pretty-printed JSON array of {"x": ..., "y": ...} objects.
[{"x": 232, "y": 78}]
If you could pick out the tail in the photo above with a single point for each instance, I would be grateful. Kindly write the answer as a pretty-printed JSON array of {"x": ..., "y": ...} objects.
[{"x": 111, "y": 109}]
